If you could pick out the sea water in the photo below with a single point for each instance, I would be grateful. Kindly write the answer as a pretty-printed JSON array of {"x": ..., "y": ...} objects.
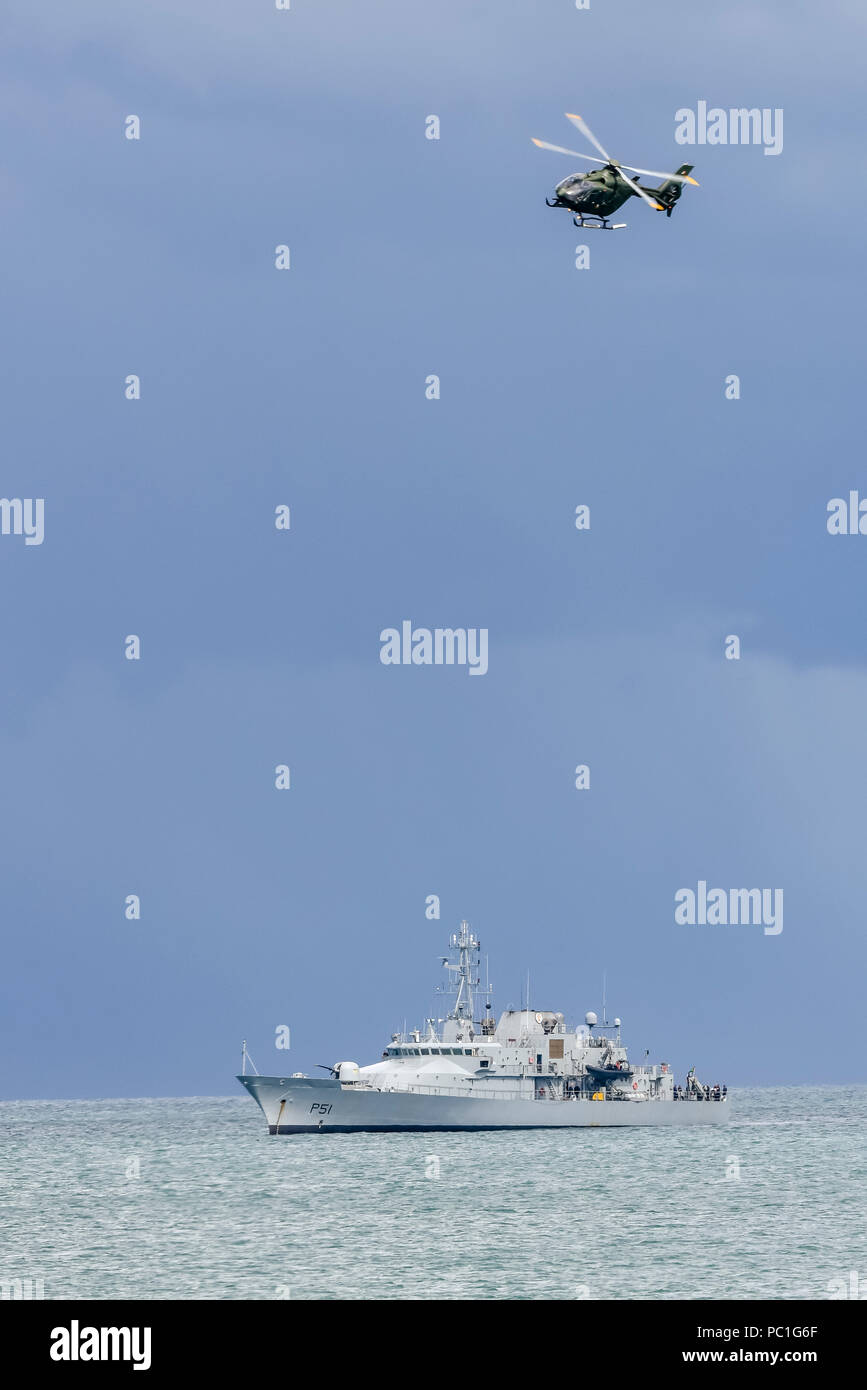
[{"x": 192, "y": 1199}]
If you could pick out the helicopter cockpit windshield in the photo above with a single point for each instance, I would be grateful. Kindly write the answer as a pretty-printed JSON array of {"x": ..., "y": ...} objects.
[{"x": 572, "y": 185}]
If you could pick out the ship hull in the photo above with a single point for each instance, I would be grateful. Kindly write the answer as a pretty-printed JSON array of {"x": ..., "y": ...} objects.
[{"x": 311, "y": 1106}]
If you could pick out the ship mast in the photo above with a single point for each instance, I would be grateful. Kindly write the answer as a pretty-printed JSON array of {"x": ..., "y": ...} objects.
[{"x": 465, "y": 979}]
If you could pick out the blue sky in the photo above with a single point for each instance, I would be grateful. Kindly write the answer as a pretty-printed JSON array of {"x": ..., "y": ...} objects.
[{"x": 410, "y": 257}]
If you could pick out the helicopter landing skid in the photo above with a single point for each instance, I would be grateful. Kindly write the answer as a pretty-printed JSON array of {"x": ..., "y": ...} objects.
[{"x": 598, "y": 225}]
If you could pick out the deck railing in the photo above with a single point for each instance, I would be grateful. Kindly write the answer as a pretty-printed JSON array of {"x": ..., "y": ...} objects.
[{"x": 474, "y": 1090}]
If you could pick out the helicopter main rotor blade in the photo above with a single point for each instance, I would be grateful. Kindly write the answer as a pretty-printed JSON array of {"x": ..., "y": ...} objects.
[
  {"x": 657, "y": 174},
  {"x": 588, "y": 135},
  {"x": 651, "y": 173},
  {"x": 558, "y": 149}
]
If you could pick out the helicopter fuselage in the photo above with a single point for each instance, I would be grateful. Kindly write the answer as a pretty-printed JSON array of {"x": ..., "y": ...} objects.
[{"x": 597, "y": 194}]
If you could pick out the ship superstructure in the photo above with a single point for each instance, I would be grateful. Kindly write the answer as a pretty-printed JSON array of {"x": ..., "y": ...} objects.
[{"x": 527, "y": 1069}]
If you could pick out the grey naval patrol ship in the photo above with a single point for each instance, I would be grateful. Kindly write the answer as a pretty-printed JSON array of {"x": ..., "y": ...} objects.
[{"x": 526, "y": 1070}]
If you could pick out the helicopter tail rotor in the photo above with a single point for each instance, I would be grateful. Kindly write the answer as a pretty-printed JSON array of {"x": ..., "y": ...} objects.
[{"x": 671, "y": 188}]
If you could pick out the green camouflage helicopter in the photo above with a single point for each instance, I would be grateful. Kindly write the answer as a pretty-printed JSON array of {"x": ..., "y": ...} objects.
[{"x": 593, "y": 197}]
